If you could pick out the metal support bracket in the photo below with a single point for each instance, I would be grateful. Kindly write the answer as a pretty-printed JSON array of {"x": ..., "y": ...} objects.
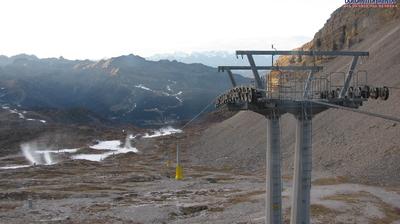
[
  {"x": 257, "y": 78},
  {"x": 348, "y": 78},
  {"x": 231, "y": 77},
  {"x": 273, "y": 68},
  {"x": 306, "y": 53},
  {"x": 307, "y": 85}
]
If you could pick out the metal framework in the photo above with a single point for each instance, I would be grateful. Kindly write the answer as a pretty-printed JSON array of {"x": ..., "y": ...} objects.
[
  {"x": 303, "y": 98},
  {"x": 283, "y": 68},
  {"x": 303, "y": 53},
  {"x": 256, "y": 75}
]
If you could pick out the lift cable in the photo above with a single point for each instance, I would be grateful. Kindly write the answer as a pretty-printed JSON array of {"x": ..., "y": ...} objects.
[
  {"x": 178, "y": 168},
  {"x": 200, "y": 113},
  {"x": 392, "y": 87},
  {"x": 356, "y": 111}
]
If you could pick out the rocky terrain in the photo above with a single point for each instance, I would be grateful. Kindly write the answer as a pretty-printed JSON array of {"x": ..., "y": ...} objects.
[
  {"x": 140, "y": 188},
  {"x": 129, "y": 186}
]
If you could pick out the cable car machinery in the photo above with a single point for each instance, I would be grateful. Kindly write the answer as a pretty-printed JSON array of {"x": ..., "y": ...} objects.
[{"x": 303, "y": 96}]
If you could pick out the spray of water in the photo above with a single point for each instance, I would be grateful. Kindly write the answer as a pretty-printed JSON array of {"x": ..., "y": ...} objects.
[
  {"x": 128, "y": 142},
  {"x": 47, "y": 158},
  {"x": 36, "y": 155},
  {"x": 162, "y": 132},
  {"x": 29, "y": 152}
]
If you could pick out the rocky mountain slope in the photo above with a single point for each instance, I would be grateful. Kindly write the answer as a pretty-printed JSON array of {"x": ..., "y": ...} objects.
[
  {"x": 363, "y": 148},
  {"x": 121, "y": 89}
]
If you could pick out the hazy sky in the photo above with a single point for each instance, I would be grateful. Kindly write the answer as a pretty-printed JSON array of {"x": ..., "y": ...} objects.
[{"x": 97, "y": 29}]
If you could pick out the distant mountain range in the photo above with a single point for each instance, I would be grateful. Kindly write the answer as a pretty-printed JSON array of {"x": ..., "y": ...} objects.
[
  {"x": 212, "y": 58},
  {"x": 121, "y": 89}
]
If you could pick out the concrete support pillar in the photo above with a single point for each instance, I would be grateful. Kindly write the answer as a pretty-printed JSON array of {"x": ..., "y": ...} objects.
[
  {"x": 273, "y": 211},
  {"x": 300, "y": 211}
]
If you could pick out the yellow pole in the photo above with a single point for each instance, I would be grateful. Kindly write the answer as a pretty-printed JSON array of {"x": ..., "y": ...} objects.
[{"x": 179, "y": 169}]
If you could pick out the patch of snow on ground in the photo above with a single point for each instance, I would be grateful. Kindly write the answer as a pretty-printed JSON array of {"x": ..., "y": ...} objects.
[
  {"x": 133, "y": 136},
  {"x": 113, "y": 145},
  {"x": 31, "y": 119},
  {"x": 59, "y": 151},
  {"x": 21, "y": 115},
  {"x": 38, "y": 156},
  {"x": 141, "y": 86},
  {"x": 13, "y": 111},
  {"x": 108, "y": 145},
  {"x": 13, "y": 167},
  {"x": 179, "y": 99},
  {"x": 102, "y": 156},
  {"x": 162, "y": 132},
  {"x": 92, "y": 157},
  {"x": 179, "y": 93}
]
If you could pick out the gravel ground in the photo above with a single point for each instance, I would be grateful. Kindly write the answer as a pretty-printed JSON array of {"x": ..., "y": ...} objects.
[{"x": 139, "y": 188}]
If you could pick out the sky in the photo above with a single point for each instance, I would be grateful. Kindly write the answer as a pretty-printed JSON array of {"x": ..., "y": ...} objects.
[{"x": 95, "y": 29}]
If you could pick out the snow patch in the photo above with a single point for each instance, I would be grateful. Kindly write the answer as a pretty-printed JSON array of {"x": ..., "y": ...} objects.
[
  {"x": 113, "y": 145},
  {"x": 21, "y": 115},
  {"x": 102, "y": 156},
  {"x": 42, "y": 155},
  {"x": 13, "y": 167},
  {"x": 13, "y": 111},
  {"x": 92, "y": 157},
  {"x": 179, "y": 99},
  {"x": 31, "y": 119},
  {"x": 59, "y": 151},
  {"x": 162, "y": 132},
  {"x": 104, "y": 145},
  {"x": 141, "y": 86},
  {"x": 133, "y": 136}
]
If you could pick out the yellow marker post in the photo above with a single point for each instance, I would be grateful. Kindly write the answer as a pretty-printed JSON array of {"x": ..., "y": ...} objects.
[{"x": 179, "y": 169}]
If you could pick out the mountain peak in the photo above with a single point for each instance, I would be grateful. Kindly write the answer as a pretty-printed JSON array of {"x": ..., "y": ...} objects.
[
  {"x": 4, "y": 60},
  {"x": 130, "y": 58}
]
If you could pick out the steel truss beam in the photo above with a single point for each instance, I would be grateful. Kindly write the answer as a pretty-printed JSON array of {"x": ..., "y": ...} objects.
[
  {"x": 305, "y": 53},
  {"x": 257, "y": 77},
  {"x": 273, "y": 68},
  {"x": 231, "y": 77},
  {"x": 349, "y": 75},
  {"x": 386, "y": 117}
]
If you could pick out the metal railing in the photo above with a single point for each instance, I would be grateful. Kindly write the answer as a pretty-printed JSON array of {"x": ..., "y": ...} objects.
[{"x": 292, "y": 86}]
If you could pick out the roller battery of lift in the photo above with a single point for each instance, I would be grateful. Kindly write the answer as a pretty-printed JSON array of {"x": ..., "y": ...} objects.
[{"x": 303, "y": 98}]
